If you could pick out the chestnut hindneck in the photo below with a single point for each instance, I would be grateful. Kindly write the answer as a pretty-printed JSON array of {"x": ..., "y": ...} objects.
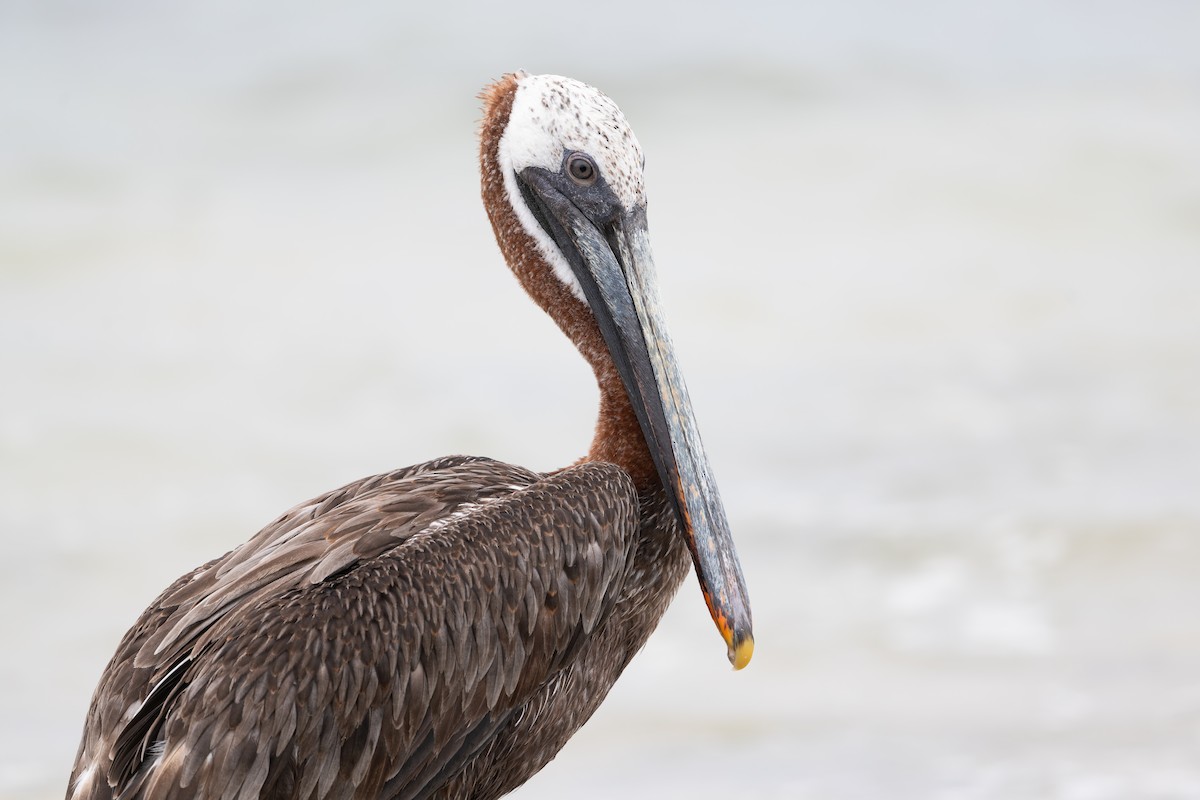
[{"x": 618, "y": 438}]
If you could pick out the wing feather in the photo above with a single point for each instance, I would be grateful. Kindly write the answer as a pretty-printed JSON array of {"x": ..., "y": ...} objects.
[{"x": 368, "y": 643}]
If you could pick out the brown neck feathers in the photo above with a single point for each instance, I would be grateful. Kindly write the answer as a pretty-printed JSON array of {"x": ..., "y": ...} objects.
[{"x": 618, "y": 438}]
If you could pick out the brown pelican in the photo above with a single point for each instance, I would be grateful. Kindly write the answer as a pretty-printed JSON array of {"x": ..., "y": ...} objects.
[{"x": 441, "y": 631}]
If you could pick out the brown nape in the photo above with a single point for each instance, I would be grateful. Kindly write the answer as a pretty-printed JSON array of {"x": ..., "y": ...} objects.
[{"x": 618, "y": 438}]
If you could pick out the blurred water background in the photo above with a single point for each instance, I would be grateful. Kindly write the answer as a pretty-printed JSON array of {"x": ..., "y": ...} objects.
[{"x": 933, "y": 271}]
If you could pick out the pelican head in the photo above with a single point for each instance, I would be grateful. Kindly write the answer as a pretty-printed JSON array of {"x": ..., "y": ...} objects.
[{"x": 571, "y": 172}]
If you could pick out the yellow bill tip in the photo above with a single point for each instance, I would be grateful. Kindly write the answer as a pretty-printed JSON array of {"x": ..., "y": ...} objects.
[
  {"x": 739, "y": 639},
  {"x": 740, "y": 654}
]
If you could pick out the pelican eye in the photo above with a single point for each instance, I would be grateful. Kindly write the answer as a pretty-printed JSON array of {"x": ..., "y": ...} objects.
[{"x": 582, "y": 169}]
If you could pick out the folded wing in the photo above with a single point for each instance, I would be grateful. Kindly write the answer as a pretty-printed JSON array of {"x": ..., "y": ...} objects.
[{"x": 365, "y": 644}]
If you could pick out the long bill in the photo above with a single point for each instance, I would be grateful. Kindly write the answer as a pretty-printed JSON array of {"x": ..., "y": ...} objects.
[{"x": 615, "y": 269}]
